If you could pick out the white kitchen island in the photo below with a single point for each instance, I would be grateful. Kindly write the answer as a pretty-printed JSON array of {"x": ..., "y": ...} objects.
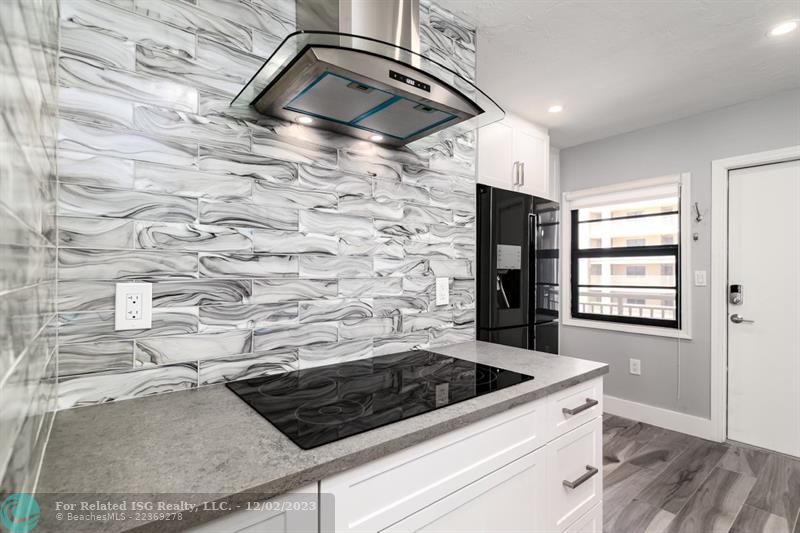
[
  {"x": 535, "y": 467},
  {"x": 527, "y": 457}
]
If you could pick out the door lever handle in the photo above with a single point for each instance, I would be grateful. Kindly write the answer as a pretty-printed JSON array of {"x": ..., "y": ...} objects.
[{"x": 738, "y": 319}]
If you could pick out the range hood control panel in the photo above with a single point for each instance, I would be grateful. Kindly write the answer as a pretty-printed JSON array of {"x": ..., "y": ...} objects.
[{"x": 409, "y": 81}]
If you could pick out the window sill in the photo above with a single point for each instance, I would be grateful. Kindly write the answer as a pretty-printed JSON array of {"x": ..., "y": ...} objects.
[{"x": 653, "y": 331}]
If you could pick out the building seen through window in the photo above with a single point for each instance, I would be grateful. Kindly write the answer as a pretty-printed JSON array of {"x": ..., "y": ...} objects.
[{"x": 625, "y": 260}]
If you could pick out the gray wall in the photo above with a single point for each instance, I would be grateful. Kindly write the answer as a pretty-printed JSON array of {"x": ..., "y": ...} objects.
[
  {"x": 674, "y": 375},
  {"x": 270, "y": 246},
  {"x": 29, "y": 39}
]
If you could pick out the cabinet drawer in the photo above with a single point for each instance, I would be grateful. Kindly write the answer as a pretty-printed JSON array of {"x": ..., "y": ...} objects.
[
  {"x": 373, "y": 496},
  {"x": 512, "y": 499},
  {"x": 591, "y": 522},
  {"x": 575, "y": 406},
  {"x": 291, "y": 513},
  {"x": 574, "y": 472}
]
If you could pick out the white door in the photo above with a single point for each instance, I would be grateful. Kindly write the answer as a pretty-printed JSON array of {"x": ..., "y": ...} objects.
[{"x": 764, "y": 329}]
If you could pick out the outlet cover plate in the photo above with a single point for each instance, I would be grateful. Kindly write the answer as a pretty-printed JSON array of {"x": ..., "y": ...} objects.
[
  {"x": 700, "y": 278},
  {"x": 635, "y": 367},
  {"x": 144, "y": 293},
  {"x": 442, "y": 291}
]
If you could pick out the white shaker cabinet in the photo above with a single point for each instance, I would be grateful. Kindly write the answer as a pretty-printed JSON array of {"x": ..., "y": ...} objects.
[
  {"x": 591, "y": 522},
  {"x": 511, "y": 499},
  {"x": 296, "y": 512},
  {"x": 574, "y": 461},
  {"x": 555, "y": 174},
  {"x": 374, "y": 496},
  {"x": 496, "y": 164},
  {"x": 514, "y": 154},
  {"x": 532, "y": 150},
  {"x": 533, "y": 468}
]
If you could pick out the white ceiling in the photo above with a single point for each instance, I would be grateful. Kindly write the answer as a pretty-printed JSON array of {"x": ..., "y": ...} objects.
[{"x": 621, "y": 65}]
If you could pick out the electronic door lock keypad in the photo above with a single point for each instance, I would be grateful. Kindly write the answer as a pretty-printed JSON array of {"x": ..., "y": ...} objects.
[{"x": 735, "y": 296}]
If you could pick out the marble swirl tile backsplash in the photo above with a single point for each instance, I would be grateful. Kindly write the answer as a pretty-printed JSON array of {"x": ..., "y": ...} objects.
[
  {"x": 28, "y": 126},
  {"x": 270, "y": 246}
]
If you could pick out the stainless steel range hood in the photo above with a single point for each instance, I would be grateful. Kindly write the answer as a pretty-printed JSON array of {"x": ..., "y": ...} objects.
[{"x": 354, "y": 68}]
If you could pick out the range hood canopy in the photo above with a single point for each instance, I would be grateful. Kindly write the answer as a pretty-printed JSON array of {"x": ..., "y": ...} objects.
[{"x": 366, "y": 87}]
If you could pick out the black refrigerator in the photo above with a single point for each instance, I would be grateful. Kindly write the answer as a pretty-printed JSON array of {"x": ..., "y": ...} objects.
[{"x": 517, "y": 285}]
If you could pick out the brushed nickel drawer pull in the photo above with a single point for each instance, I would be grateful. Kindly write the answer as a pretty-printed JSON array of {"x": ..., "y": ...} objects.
[
  {"x": 588, "y": 405},
  {"x": 591, "y": 471}
]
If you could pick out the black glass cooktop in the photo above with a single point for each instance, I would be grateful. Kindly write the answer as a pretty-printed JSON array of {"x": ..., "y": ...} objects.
[{"x": 319, "y": 405}]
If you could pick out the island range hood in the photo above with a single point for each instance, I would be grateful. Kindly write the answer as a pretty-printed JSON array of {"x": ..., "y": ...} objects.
[{"x": 355, "y": 68}]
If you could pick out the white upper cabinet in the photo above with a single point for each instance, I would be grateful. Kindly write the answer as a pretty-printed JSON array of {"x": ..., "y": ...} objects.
[
  {"x": 555, "y": 174},
  {"x": 532, "y": 150},
  {"x": 496, "y": 165},
  {"x": 515, "y": 154}
]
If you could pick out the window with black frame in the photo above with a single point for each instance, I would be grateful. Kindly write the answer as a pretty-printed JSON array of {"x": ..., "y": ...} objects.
[{"x": 625, "y": 260}]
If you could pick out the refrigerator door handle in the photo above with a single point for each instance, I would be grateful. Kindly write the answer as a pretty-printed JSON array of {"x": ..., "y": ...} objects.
[
  {"x": 532, "y": 276},
  {"x": 533, "y": 231}
]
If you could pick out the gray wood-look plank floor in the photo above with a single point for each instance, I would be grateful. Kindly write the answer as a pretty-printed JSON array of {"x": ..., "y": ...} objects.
[{"x": 660, "y": 481}]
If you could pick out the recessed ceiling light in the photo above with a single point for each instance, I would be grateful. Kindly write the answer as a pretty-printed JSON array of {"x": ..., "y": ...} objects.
[
  {"x": 558, "y": 108},
  {"x": 783, "y": 28},
  {"x": 305, "y": 120},
  {"x": 376, "y": 138}
]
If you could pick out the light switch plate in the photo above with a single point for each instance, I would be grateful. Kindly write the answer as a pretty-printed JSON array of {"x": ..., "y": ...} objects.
[
  {"x": 700, "y": 278},
  {"x": 635, "y": 367},
  {"x": 442, "y": 291},
  {"x": 133, "y": 306}
]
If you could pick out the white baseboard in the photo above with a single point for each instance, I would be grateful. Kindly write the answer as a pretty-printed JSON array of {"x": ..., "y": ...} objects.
[{"x": 658, "y": 416}]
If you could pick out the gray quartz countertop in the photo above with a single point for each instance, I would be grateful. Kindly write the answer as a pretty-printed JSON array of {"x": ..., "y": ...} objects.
[{"x": 207, "y": 444}]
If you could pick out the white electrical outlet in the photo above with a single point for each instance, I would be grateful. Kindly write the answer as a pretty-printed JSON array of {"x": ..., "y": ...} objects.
[
  {"x": 635, "y": 367},
  {"x": 134, "y": 306},
  {"x": 442, "y": 291}
]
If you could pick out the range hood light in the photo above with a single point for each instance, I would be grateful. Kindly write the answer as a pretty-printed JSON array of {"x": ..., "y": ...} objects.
[
  {"x": 376, "y": 138},
  {"x": 304, "y": 120}
]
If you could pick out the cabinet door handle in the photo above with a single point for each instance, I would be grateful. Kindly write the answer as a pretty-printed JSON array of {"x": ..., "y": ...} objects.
[
  {"x": 522, "y": 174},
  {"x": 515, "y": 173},
  {"x": 590, "y": 471},
  {"x": 575, "y": 410}
]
